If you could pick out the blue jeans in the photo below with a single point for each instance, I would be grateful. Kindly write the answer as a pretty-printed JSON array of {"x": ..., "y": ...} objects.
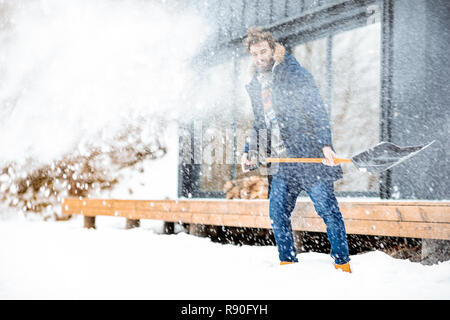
[{"x": 283, "y": 197}]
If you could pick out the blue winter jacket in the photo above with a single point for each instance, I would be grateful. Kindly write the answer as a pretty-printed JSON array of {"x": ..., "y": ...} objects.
[{"x": 302, "y": 118}]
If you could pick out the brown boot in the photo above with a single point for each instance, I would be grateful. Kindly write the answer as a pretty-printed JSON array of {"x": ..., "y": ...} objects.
[
  {"x": 282, "y": 263},
  {"x": 344, "y": 267}
]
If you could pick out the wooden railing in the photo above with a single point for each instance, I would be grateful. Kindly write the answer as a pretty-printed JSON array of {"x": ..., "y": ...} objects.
[{"x": 415, "y": 219}]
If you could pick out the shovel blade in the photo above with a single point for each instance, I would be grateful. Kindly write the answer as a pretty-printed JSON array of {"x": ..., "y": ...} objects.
[{"x": 384, "y": 156}]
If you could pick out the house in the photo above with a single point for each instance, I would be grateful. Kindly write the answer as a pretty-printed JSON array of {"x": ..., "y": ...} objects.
[{"x": 381, "y": 67}]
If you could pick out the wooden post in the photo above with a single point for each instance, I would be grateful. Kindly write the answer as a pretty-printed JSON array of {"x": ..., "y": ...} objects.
[
  {"x": 186, "y": 227},
  {"x": 434, "y": 251},
  {"x": 198, "y": 230},
  {"x": 133, "y": 223},
  {"x": 89, "y": 222},
  {"x": 298, "y": 240},
  {"x": 169, "y": 227}
]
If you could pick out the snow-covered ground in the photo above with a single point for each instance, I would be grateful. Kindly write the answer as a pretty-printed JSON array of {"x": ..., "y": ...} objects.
[{"x": 61, "y": 260}]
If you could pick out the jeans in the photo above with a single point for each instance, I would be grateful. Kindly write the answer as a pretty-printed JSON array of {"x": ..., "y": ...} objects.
[{"x": 283, "y": 197}]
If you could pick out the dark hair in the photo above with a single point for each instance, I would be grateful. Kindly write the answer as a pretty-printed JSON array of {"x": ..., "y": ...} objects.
[{"x": 256, "y": 35}]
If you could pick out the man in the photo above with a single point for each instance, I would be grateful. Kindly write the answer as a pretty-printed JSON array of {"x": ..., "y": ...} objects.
[{"x": 288, "y": 107}]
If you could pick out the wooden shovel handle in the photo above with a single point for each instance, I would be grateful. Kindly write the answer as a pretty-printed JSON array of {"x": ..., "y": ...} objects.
[{"x": 313, "y": 160}]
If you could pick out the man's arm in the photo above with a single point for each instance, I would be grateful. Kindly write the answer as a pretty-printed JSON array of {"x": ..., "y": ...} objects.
[
  {"x": 251, "y": 147},
  {"x": 317, "y": 112},
  {"x": 309, "y": 96}
]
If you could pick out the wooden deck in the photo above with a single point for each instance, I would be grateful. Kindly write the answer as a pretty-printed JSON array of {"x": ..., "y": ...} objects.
[{"x": 415, "y": 219}]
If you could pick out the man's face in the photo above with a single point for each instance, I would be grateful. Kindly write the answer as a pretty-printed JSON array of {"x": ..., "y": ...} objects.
[{"x": 262, "y": 56}]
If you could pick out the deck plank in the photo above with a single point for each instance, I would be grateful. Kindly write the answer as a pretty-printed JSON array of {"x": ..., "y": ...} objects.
[{"x": 417, "y": 219}]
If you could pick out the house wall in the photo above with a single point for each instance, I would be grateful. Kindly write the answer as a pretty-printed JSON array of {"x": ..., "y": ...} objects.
[
  {"x": 414, "y": 89},
  {"x": 420, "y": 97}
]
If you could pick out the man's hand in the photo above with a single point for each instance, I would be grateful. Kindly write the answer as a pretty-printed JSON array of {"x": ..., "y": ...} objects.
[
  {"x": 245, "y": 162},
  {"x": 329, "y": 157}
]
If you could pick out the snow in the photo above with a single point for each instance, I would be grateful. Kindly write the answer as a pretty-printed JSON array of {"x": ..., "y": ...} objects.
[
  {"x": 94, "y": 68},
  {"x": 157, "y": 179},
  {"x": 62, "y": 260}
]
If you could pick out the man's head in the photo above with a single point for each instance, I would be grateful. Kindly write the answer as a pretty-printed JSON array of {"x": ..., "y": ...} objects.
[{"x": 261, "y": 46}]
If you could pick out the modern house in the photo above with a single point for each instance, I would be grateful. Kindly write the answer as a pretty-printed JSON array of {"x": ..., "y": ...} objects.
[{"x": 381, "y": 67}]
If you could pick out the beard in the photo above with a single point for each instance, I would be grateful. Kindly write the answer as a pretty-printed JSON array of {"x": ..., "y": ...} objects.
[{"x": 266, "y": 68}]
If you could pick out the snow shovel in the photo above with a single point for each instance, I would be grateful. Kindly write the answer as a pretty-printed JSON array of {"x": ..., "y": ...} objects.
[{"x": 381, "y": 157}]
